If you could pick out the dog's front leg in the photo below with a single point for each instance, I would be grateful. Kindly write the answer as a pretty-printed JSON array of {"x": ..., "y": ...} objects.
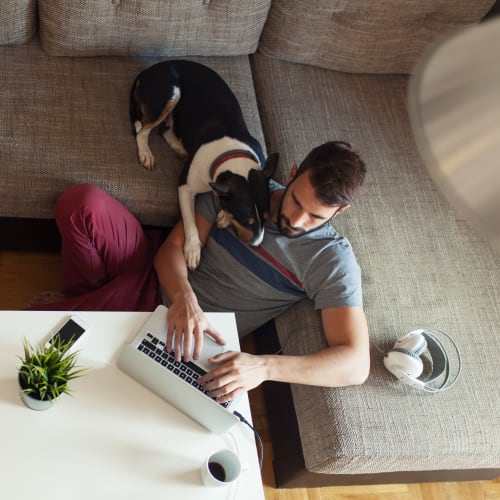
[
  {"x": 146, "y": 158},
  {"x": 192, "y": 244},
  {"x": 167, "y": 132}
]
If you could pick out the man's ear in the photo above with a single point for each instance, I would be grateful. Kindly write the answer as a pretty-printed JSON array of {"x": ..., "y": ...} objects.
[
  {"x": 292, "y": 173},
  {"x": 342, "y": 209}
]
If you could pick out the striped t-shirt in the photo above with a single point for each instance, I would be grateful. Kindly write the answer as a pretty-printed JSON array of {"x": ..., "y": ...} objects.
[{"x": 259, "y": 283}]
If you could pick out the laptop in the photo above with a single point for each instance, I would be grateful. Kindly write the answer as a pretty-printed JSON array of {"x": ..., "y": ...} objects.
[{"x": 146, "y": 360}]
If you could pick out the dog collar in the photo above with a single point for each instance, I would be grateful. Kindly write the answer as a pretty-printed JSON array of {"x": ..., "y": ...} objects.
[{"x": 229, "y": 155}]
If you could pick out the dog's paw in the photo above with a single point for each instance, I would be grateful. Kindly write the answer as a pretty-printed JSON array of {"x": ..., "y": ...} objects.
[
  {"x": 146, "y": 159},
  {"x": 223, "y": 220},
  {"x": 192, "y": 254}
]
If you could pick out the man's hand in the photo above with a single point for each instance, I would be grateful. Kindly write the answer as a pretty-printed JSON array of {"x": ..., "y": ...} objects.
[
  {"x": 238, "y": 373},
  {"x": 188, "y": 322}
]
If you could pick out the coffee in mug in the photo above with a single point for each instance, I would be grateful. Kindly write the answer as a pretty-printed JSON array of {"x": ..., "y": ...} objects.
[{"x": 220, "y": 468}]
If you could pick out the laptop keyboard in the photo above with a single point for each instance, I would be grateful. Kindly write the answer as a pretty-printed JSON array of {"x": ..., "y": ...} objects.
[{"x": 187, "y": 371}]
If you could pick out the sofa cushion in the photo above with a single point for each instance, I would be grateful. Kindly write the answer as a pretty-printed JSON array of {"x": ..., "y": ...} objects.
[
  {"x": 359, "y": 36},
  {"x": 151, "y": 27},
  {"x": 422, "y": 266},
  {"x": 66, "y": 120},
  {"x": 17, "y": 21}
]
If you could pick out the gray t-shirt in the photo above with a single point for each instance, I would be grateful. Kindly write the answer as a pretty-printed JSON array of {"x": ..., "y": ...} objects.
[{"x": 259, "y": 283}]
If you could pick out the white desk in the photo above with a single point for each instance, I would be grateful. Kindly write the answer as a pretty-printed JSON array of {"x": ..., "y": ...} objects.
[{"x": 113, "y": 439}]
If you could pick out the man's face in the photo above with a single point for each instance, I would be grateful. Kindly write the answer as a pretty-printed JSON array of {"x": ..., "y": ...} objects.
[{"x": 300, "y": 211}]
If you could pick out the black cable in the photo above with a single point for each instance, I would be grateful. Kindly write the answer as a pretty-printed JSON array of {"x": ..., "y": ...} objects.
[{"x": 259, "y": 439}]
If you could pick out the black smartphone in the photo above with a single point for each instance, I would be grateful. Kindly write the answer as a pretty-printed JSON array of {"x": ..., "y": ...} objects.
[{"x": 70, "y": 331}]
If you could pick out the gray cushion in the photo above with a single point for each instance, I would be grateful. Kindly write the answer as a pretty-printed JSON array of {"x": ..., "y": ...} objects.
[
  {"x": 66, "y": 120},
  {"x": 422, "y": 267},
  {"x": 359, "y": 36},
  {"x": 151, "y": 27},
  {"x": 17, "y": 21}
]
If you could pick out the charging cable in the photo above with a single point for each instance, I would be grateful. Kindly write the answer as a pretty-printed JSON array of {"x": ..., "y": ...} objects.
[
  {"x": 237, "y": 450},
  {"x": 259, "y": 439}
]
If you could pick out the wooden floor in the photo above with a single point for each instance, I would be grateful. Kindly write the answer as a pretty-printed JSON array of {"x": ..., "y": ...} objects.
[{"x": 24, "y": 275}]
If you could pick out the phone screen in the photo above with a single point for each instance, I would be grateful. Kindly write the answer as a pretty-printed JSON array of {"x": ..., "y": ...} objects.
[{"x": 70, "y": 332}]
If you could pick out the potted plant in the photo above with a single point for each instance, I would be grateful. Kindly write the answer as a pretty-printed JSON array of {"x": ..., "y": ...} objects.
[{"x": 45, "y": 373}]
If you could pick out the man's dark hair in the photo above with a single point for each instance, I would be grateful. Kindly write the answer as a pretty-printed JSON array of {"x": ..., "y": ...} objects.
[{"x": 336, "y": 172}]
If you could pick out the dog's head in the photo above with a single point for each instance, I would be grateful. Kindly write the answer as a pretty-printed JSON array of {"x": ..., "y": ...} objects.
[{"x": 245, "y": 202}]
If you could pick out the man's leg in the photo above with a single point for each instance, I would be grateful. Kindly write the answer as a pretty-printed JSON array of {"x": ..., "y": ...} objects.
[{"x": 106, "y": 257}]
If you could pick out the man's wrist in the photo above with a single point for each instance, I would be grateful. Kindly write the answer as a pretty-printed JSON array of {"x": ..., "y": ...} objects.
[
  {"x": 184, "y": 294},
  {"x": 270, "y": 364}
]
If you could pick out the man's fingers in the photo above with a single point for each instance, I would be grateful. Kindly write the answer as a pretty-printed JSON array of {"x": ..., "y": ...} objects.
[
  {"x": 227, "y": 393},
  {"x": 215, "y": 335},
  {"x": 188, "y": 338},
  {"x": 231, "y": 395},
  {"x": 181, "y": 341},
  {"x": 222, "y": 358},
  {"x": 198, "y": 342},
  {"x": 214, "y": 376},
  {"x": 216, "y": 385},
  {"x": 178, "y": 345},
  {"x": 170, "y": 336}
]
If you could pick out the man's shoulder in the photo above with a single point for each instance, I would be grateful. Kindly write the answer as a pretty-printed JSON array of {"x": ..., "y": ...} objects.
[
  {"x": 314, "y": 250},
  {"x": 327, "y": 235},
  {"x": 275, "y": 185},
  {"x": 327, "y": 248}
]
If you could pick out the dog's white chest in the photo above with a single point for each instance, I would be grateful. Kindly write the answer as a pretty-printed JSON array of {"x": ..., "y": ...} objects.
[{"x": 199, "y": 176}]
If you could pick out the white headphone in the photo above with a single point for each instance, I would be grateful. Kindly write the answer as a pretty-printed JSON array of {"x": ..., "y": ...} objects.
[{"x": 404, "y": 360}]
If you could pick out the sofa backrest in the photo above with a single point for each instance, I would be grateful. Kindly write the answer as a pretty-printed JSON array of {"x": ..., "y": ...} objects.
[
  {"x": 360, "y": 36},
  {"x": 17, "y": 21},
  {"x": 151, "y": 27}
]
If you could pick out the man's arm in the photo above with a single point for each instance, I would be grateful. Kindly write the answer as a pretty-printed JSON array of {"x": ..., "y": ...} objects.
[
  {"x": 185, "y": 316},
  {"x": 346, "y": 360}
]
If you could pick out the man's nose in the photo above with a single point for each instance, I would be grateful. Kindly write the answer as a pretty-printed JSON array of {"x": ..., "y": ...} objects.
[{"x": 297, "y": 219}]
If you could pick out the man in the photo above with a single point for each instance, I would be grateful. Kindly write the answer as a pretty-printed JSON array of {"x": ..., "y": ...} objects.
[
  {"x": 108, "y": 265},
  {"x": 301, "y": 256}
]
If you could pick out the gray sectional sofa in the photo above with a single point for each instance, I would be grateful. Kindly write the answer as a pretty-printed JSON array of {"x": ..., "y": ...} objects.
[{"x": 305, "y": 73}]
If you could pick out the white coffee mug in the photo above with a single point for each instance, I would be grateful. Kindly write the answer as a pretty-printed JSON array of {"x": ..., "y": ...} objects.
[{"x": 221, "y": 468}]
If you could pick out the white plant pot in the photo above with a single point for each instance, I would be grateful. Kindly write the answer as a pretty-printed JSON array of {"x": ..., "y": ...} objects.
[{"x": 36, "y": 404}]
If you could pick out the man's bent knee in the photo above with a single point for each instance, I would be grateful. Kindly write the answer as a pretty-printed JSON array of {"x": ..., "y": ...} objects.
[{"x": 76, "y": 198}]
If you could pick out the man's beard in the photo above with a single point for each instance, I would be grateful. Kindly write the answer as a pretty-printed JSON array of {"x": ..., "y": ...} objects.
[
  {"x": 286, "y": 229},
  {"x": 284, "y": 225}
]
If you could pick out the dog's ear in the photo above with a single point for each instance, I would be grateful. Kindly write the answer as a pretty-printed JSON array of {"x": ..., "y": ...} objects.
[
  {"x": 271, "y": 165},
  {"x": 219, "y": 187}
]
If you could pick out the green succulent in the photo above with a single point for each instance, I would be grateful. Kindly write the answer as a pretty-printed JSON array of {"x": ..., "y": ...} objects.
[{"x": 46, "y": 370}]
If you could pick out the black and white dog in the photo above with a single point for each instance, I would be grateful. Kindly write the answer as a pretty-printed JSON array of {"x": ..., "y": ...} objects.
[{"x": 204, "y": 125}]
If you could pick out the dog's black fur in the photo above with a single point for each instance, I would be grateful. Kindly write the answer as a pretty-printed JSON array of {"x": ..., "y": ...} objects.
[{"x": 203, "y": 122}]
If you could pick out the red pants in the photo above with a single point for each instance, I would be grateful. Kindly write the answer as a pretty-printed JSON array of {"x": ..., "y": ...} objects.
[{"x": 107, "y": 258}]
